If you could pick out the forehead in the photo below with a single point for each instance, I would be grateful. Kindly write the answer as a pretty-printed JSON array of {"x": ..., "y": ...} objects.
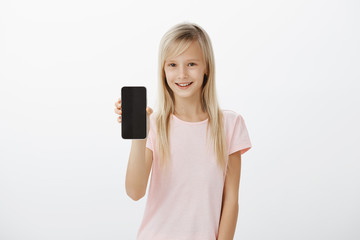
[{"x": 193, "y": 51}]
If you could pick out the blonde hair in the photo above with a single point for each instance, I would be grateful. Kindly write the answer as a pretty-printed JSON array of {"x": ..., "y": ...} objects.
[{"x": 174, "y": 42}]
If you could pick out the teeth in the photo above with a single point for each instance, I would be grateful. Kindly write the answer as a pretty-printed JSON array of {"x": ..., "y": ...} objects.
[{"x": 183, "y": 85}]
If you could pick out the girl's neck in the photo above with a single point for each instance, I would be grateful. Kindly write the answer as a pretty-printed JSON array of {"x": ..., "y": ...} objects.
[{"x": 190, "y": 112}]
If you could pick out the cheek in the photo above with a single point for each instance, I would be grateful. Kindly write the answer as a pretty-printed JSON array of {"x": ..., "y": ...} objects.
[
  {"x": 169, "y": 75},
  {"x": 198, "y": 74}
]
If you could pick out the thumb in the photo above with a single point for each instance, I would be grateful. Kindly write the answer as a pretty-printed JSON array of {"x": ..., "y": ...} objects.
[{"x": 149, "y": 110}]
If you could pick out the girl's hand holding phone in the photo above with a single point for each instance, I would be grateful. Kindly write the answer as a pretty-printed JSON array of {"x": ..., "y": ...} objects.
[{"x": 118, "y": 111}]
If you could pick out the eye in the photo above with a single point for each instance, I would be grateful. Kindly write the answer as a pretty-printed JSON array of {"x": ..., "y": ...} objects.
[
  {"x": 171, "y": 64},
  {"x": 192, "y": 64}
]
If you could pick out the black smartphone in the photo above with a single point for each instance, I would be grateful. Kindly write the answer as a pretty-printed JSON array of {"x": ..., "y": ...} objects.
[{"x": 133, "y": 116}]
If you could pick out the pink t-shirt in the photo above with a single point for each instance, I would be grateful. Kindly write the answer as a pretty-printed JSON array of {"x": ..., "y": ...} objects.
[{"x": 186, "y": 203}]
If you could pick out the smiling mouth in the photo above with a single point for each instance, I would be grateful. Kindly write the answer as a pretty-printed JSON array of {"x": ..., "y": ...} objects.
[{"x": 184, "y": 85}]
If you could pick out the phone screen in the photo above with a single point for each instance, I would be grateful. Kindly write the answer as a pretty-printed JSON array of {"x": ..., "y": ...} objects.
[{"x": 133, "y": 116}]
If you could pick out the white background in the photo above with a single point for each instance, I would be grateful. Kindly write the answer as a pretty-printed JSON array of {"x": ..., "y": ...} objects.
[{"x": 290, "y": 68}]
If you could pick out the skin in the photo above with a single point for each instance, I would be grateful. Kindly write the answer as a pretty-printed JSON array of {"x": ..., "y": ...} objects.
[
  {"x": 189, "y": 66},
  {"x": 230, "y": 202}
]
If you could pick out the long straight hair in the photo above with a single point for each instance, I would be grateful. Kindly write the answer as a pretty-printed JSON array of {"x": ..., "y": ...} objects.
[{"x": 174, "y": 42}]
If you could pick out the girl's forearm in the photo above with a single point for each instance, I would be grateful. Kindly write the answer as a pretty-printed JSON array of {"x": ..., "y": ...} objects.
[
  {"x": 135, "y": 181},
  {"x": 228, "y": 221}
]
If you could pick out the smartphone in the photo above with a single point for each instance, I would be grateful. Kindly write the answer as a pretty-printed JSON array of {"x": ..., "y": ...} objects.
[{"x": 133, "y": 116}]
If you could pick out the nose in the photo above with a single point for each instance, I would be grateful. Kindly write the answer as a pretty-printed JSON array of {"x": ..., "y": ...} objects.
[{"x": 182, "y": 73}]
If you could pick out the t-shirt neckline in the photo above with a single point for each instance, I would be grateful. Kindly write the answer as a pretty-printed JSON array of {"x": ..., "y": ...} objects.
[{"x": 190, "y": 123}]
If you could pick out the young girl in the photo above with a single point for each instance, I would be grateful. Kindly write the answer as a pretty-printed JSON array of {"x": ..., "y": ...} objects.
[{"x": 193, "y": 147}]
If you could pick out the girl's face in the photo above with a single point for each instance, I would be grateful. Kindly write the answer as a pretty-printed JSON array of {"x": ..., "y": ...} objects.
[{"x": 189, "y": 67}]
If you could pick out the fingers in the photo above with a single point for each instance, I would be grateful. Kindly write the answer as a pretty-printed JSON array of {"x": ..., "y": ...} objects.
[
  {"x": 149, "y": 110},
  {"x": 118, "y": 109},
  {"x": 119, "y": 118},
  {"x": 118, "y": 104}
]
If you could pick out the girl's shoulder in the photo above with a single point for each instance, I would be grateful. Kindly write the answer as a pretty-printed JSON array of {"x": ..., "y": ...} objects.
[
  {"x": 232, "y": 118},
  {"x": 230, "y": 115}
]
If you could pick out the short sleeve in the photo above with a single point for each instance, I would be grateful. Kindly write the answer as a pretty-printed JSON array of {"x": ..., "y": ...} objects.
[{"x": 240, "y": 140}]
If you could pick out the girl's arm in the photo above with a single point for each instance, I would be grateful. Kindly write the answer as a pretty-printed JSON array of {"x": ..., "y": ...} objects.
[
  {"x": 140, "y": 161},
  {"x": 230, "y": 205},
  {"x": 138, "y": 169}
]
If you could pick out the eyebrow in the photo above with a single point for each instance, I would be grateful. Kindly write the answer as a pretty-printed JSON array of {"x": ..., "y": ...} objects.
[{"x": 195, "y": 60}]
